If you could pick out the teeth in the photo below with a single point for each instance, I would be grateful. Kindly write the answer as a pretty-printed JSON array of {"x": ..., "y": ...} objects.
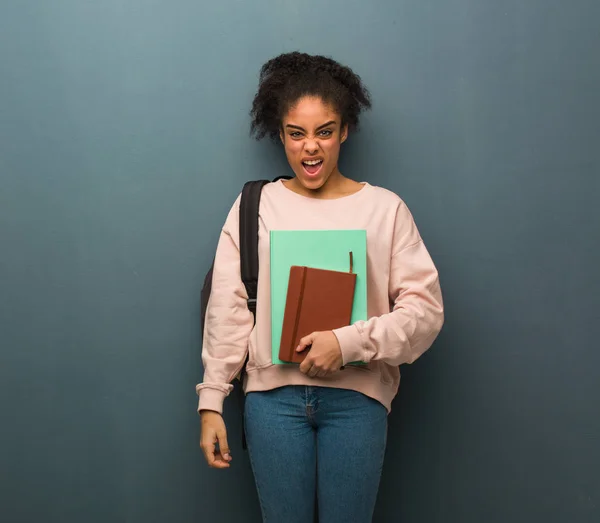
[{"x": 313, "y": 162}]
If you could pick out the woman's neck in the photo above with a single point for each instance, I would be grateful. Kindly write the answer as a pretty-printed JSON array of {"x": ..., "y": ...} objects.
[{"x": 336, "y": 186}]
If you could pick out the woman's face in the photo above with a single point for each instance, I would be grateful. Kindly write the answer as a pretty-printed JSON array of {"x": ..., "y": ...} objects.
[{"x": 312, "y": 134}]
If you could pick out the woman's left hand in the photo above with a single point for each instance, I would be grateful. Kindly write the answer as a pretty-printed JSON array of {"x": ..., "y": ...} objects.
[{"x": 325, "y": 356}]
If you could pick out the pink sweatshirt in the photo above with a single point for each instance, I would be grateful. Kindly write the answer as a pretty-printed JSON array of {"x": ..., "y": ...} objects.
[{"x": 404, "y": 299}]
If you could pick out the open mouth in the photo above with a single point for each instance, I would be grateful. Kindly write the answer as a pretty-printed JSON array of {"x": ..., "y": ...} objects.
[{"x": 312, "y": 167}]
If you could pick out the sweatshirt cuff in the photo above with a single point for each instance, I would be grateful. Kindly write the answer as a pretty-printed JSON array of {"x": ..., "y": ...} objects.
[
  {"x": 211, "y": 399},
  {"x": 351, "y": 344}
]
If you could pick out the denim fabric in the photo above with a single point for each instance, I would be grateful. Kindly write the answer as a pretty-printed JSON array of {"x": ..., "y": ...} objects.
[{"x": 312, "y": 440}]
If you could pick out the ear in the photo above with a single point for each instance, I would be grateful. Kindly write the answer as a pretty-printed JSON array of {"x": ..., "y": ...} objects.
[
  {"x": 344, "y": 134},
  {"x": 282, "y": 136}
]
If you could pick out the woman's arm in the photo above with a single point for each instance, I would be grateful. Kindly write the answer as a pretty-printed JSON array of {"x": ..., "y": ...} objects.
[
  {"x": 416, "y": 319},
  {"x": 228, "y": 321}
]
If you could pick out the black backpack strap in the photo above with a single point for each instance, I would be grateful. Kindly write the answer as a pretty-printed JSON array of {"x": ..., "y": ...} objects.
[
  {"x": 249, "y": 224},
  {"x": 249, "y": 207}
]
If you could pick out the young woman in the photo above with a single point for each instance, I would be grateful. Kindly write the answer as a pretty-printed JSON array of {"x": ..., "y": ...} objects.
[{"x": 319, "y": 428}]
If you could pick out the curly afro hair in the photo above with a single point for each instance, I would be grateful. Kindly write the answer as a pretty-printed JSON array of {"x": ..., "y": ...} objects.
[{"x": 288, "y": 77}]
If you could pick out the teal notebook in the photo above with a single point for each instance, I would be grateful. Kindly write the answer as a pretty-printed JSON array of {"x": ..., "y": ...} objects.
[{"x": 321, "y": 250}]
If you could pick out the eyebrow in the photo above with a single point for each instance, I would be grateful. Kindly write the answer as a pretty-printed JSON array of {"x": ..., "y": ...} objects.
[{"x": 318, "y": 128}]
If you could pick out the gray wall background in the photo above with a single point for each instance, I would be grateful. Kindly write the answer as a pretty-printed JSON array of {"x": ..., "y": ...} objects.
[{"x": 123, "y": 142}]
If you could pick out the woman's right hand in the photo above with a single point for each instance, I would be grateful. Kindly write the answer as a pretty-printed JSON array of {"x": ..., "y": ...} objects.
[{"x": 213, "y": 433}]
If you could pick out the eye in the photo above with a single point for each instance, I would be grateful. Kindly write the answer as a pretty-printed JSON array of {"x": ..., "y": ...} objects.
[
  {"x": 295, "y": 134},
  {"x": 325, "y": 132}
]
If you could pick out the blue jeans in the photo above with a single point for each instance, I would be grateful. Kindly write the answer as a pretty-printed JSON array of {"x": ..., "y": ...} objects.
[{"x": 307, "y": 441}]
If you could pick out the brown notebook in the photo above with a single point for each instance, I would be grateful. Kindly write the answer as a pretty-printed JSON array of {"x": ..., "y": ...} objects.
[{"x": 317, "y": 300}]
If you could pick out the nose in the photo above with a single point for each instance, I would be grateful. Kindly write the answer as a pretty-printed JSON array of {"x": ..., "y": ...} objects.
[{"x": 311, "y": 146}]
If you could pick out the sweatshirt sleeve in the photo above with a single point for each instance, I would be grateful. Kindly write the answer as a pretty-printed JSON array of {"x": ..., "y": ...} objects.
[
  {"x": 417, "y": 315},
  {"x": 228, "y": 322}
]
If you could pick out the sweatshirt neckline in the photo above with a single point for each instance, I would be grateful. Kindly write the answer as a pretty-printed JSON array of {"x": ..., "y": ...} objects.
[{"x": 366, "y": 187}]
